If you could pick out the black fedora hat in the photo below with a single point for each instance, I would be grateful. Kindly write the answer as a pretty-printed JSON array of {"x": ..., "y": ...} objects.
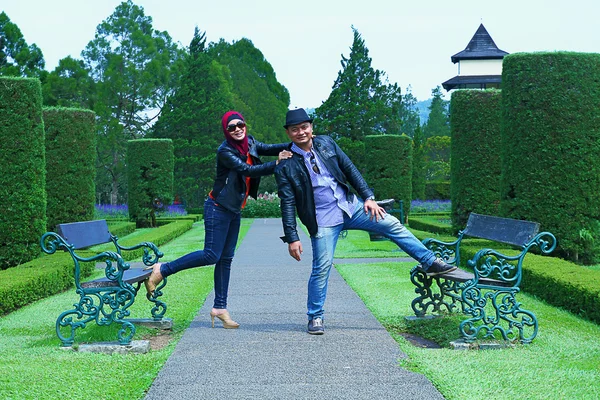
[{"x": 295, "y": 117}]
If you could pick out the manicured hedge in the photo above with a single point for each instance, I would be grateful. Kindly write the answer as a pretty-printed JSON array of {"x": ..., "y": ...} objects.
[
  {"x": 70, "y": 165},
  {"x": 430, "y": 223},
  {"x": 22, "y": 170},
  {"x": 388, "y": 167},
  {"x": 437, "y": 190},
  {"x": 51, "y": 274},
  {"x": 551, "y": 141},
  {"x": 475, "y": 165},
  {"x": 149, "y": 178}
]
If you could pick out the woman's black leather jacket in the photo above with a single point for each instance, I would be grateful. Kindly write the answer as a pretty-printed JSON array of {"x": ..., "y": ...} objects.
[
  {"x": 229, "y": 188},
  {"x": 295, "y": 188}
]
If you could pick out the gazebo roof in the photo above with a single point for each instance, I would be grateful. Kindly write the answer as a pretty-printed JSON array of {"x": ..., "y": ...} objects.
[
  {"x": 480, "y": 47},
  {"x": 457, "y": 81}
]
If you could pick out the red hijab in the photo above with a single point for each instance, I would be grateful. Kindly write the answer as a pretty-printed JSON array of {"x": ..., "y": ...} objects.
[{"x": 239, "y": 145}]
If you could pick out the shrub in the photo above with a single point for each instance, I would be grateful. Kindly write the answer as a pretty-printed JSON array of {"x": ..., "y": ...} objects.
[
  {"x": 150, "y": 178},
  {"x": 550, "y": 145},
  {"x": 265, "y": 206},
  {"x": 475, "y": 164},
  {"x": 389, "y": 167},
  {"x": 22, "y": 170},
  {"x": 70, "y": 165}
]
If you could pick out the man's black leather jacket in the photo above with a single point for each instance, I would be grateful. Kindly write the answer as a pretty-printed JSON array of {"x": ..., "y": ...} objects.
[
  {"x": 296, "y": 192},
  {"x": 229, "y": 188}
]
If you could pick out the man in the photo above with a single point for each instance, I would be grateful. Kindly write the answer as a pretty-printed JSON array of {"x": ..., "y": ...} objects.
[{"x": 316, "y": 183}]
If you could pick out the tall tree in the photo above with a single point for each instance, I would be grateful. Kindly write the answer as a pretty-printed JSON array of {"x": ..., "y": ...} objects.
[
  {"x": 437, "y": 158},
  {"x": 191, "y": 118},
  {"x": 438, "y": 123},
  {"x": 132, "y": 65},
  {"x": 361, "y": 101},
  {"x": 17, "y": 58},
  {"x": 258, "y": 95},
  {"x": 419, "y": 165},
  {"x": 69, "y": 85},
  {"x": 409, "y": 113}
]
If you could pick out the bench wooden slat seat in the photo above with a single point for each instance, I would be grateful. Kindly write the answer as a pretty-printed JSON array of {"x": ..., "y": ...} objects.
[
  {"x": 132, "y": 275},
  {"x": 105, "y": 300},
  {"x": 488, "y": 294}
]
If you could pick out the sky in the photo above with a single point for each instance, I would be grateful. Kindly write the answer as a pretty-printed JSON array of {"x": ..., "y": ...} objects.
[{"x": 411, "y": 41}]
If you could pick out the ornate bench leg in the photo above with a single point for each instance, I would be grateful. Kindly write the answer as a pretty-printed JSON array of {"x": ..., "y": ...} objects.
[
  {"x": 160, "y": 307},
  {"x": 445, "y": 296},
  {"x": 496, "y": 310},
  {"x": 63, "y": 321}
]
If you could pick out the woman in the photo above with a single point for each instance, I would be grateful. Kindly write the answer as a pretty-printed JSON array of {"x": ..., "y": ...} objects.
[{"x": 238, "y": 175}]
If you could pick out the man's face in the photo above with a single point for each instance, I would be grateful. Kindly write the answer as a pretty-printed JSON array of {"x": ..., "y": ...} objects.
[{"x": 301, "y": 133}]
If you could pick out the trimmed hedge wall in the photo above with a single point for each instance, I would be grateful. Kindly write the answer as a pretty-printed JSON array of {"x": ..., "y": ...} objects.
[
  {"x": 475, "y": 165},
  {"x": 70, "y": 165},
  {"x": 551, "y": 141},
  {"x": 150, "y": 178},
  {"x": 22, "y": 170},
  {"x": 389, "y": 167}
]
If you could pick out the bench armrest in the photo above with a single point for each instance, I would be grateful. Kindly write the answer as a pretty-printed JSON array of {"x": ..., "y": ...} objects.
[
  {"x": 448, "y": 251},
  {"x": 115, "y": 265},
  {"x": 148, "y": 258},
  {"x": 489, "y": 263}
]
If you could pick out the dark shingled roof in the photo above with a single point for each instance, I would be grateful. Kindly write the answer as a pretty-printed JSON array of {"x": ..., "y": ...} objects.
[
  {"x": 457, "y": 81},
  {"x": 480, "y": 47}
]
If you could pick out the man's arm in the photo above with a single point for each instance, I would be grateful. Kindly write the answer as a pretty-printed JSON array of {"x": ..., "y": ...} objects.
[{"x": 285, "y": 192}]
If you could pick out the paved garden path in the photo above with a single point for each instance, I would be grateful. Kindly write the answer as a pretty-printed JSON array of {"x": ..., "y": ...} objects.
[{"x": 271, "y": 356}]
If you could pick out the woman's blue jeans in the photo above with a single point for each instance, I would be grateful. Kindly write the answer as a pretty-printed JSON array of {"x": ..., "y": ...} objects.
[
  {"x": 324, "y": 242},
  {"x": 221, "y": 228}
]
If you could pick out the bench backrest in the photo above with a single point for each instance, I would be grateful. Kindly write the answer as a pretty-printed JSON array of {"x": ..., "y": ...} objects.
[
  {"x": 84, "y": 234},
  {"x": 504, "y": 230}
]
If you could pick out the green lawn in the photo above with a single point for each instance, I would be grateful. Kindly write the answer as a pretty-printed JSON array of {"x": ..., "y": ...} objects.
[
  {"x": 35, "y": 367},
  {"x": 563, "y": 362}
]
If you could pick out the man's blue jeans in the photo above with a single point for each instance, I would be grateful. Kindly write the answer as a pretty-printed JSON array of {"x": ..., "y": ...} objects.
[
  {"x": 221, "y": 228},
  {"x": 323, "y": 247}
]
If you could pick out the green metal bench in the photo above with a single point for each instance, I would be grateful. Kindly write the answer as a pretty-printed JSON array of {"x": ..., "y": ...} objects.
[
  {"x": 105, "y": 300},
  {"x": 488, "y": 294}
]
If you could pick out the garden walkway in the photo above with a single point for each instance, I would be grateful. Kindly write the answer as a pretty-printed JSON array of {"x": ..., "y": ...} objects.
[{"x": 271, "y": 356}]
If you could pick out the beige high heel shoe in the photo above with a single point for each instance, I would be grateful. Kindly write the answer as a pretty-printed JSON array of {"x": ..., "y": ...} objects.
[{"x": 228, "y": 323}]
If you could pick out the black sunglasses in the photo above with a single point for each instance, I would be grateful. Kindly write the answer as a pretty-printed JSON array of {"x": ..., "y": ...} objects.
[
  {"x": 314, "y": 165},
  {"x": 233, "y": 127}
]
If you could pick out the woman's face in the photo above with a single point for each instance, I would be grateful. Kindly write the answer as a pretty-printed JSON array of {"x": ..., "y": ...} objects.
[{"x": 237, "y": 129}]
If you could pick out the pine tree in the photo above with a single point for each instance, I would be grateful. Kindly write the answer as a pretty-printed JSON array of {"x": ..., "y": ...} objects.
[
  {"x": 438, "y": 123},
  {"x": 258, "y": 95},
  {"x": 69, "y": 85},
  {"x": 17, "y": 58},
  {"x": 361, "y": 101},
  {"x": 409, "y": 113},
  {"x": 133, "y": 67},
  {"x": 419, "y": 171},
  {"x": 192, "y": 119}
]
